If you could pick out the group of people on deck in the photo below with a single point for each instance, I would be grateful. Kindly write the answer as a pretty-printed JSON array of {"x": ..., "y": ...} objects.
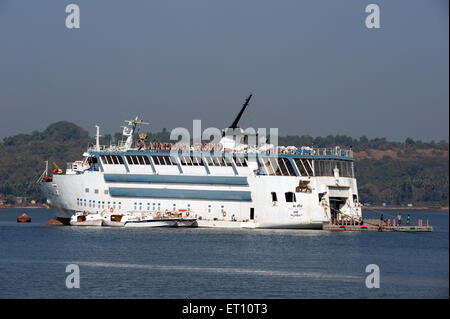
[{"x": 399, "y": 219}]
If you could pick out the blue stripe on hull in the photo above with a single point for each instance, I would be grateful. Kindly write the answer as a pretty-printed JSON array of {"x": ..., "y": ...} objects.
[
  {"x": 177, "y": 179},
  {"x": 180, "y": 193}
]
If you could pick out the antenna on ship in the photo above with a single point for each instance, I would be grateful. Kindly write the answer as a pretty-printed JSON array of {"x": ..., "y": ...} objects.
[
  {"x": 97, "y": 138},
  {"x": 129, "y": 130},
  {"x": 238, "y": 117},
  {"x": 234, "y": 125}
]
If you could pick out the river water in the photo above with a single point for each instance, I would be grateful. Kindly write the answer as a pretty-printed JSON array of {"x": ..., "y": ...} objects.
[{"x": 220, "y": 263}]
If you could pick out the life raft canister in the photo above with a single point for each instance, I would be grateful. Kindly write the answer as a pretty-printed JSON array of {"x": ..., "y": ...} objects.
[
  {"x": 111, "y": 209},
  {"x": 224, "y": 214}
]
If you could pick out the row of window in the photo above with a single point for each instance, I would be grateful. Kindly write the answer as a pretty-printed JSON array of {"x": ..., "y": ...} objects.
[
  {"x": 169, "y": 160},
  {"x": 217, "y": 161},
  {"x": 111, "y": 159},
  {"x": 289, "y": 196},
  {"x": 278, "y": 166},
  {"x": 137, "y": 160},
  {"x": 326, "y": 168},
  {"x": 304, "y": 166},
  {"x": 98, "y": 204},
  {"x": 163, "y": 160},
  {"x": 191, "y": 161},
  {"x": 86, "y": 190},
  {"x": 240, "y": 161},
  {"x": 274, "y": 166}
]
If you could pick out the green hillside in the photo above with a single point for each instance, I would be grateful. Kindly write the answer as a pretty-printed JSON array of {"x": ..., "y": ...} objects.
[{"x": 392, "y": 172}]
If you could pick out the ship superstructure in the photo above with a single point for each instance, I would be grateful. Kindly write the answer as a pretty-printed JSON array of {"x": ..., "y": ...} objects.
[{"x": 222, "y": 185}]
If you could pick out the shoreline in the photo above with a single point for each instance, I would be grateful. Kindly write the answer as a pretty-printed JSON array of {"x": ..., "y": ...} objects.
[
  {"x": 24, "y": 207},
  {"x": 373, "y": 208},
  {"x": 405, "y": 208}
]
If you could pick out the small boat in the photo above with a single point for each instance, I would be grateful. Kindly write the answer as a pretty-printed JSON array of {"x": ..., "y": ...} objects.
[
  {"x": 137, "y": 219},
  {"x": 114, "y": 220},
  {"x": 186, "y": 222},
  {"x": 86, "y": 219},
  {"x": 151, "y": 223}
]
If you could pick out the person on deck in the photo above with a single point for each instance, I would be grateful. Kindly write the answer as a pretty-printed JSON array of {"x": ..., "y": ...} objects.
[
  {"x": 399, "y": 218},
  {"x": 408, "y": 219}
]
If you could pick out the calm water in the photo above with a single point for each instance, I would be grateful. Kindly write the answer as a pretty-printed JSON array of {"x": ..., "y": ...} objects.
[{"x": 215, "y": 263}]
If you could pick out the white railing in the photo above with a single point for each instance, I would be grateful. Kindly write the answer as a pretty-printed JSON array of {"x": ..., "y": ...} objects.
[{"x": 336, "y": 151}]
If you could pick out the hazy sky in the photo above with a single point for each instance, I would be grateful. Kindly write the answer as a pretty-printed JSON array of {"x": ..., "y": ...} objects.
[{"x": 313, "y": 66}]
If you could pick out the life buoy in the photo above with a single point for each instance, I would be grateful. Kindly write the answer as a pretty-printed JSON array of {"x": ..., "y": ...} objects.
[
  {"x": 187, "y": 213},
  {"x": 111, "y": 209},
  {"x": 224, "y": 214},
  {"x": 158, "y": 214}
]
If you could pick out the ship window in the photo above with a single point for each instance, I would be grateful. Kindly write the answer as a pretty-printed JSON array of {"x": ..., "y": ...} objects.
[
  {"x": 227, "y": 161},
  {"x": 186, "y": 160},
  {"x": 146, "y": 160},
  {"x": 155, "y": 159},
  {"x": 290, "y": 197},
  {"x": 128, "y": 158},
  {"x": 137, "y": 160},
  {"x": 105, "y": 192},
  {"x": 96, "y": 191},
  {"x": 275, "y": 166},
  {"x": 87, "y": 190},
  {"x": 115, "y": 160},
  {"x": 198, "y": 160},
  {"x": 301, "y": 169},
  {"x": 281, "y": 164},
  {"x": 308, "y": 165},
  {"x": 274, "y": 197},
  {"x": 217, "y": 161},
  {"x": 240, "y": 161},
  {"x": 209, "y": 160},
  {"x": 119, "y": 158},
  {"x": 289, "y": 167},
  {"x": 237, "y": 161}
]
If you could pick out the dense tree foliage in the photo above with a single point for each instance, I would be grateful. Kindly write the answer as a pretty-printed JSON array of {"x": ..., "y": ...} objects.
[{"x": 391, "y": 172}]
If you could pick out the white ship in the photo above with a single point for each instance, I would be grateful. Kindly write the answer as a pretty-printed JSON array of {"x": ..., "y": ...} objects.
[{"x": 243, "y": 187}]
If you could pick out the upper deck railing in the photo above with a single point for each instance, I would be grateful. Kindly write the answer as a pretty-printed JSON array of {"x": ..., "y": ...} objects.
[{"x": 167, "y": 147}]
